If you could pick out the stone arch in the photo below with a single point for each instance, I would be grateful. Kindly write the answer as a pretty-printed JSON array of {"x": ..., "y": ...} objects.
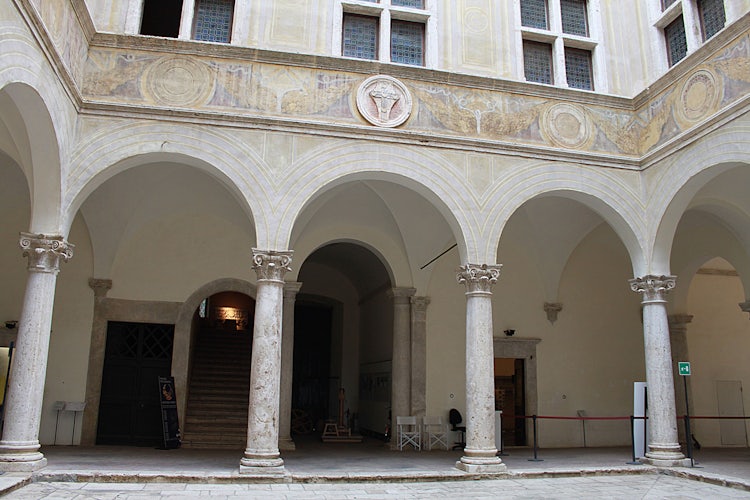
[
  {"x": 132, "y": 144},
  {"x": 423, "y": 172},
  {"x": 391, "y": 262},
  {"x": 609, "y": 195},
  {"x": 680, "y": 181},
  {"x": 36, "y": 149},
  {"x": 183, "y": 329}
]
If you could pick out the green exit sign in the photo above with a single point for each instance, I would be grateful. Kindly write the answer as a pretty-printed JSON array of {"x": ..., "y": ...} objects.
[{"x": 684, "y": 367}]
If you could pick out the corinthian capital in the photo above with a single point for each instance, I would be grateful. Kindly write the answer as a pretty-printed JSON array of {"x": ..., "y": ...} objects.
[
  {"x": 271, "y": 264},
  {"x": 478, "y": 278},
  {"x": 44, "y": 252},
  {"x": 653, "y": 288}
]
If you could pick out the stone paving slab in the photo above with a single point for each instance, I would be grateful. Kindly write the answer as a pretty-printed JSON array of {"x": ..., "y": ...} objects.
[{"x": 644, "y": 486}]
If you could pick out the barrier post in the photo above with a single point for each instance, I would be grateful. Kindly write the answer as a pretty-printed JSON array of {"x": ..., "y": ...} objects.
[
  {"x": 536, "y": 444},
  {"x": 634, "y": 461}
]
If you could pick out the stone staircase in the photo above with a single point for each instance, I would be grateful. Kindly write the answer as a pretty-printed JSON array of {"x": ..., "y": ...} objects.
[{"x": 219, "y": 387}]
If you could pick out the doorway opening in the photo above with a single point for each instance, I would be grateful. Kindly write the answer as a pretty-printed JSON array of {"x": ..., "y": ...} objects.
[
  {"x": 312, "y": 382},
  {"x": 510, "y": 398},
  {"x": 136, "y": 355},
  {"x": 219, "y": 384}
]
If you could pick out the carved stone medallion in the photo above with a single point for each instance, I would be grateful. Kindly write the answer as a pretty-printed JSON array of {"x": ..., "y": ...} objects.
[
  {"x": 384, "y": 101},
  {"x": 566, "y": 125},
  {"x": 177, "y": 81},
  {"x": 699, "y": 97}
]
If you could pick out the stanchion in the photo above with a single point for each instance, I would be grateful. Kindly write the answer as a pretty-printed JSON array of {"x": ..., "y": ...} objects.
[
  {"x": 536, "y": 444},
  {"x": 635, "y": 461}
]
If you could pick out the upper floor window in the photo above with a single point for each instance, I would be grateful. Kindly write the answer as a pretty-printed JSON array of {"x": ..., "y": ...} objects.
[
  {"x": 574, "y": 17},
  {"x": 674, "y": 33},
  {"x": 213, "y": 20},
  {"x": 161, "y": 18},
  {"x": 686, "y": 24},
  {"x": 546, "y": 23},
  {"x": 386, "y": 30},
  {"x": 712, "y": 17},
  {"x": 210, "y": 20}
]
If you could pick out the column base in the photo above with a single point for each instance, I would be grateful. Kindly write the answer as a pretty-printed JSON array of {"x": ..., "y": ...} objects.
[
  {"x": 287, "y": 444},
  {"x": 20, "y": 460},
  {"x": 481, "y": 464},
  {"x": 667, "y": 457},
  {"x": 256, "y": 464}
]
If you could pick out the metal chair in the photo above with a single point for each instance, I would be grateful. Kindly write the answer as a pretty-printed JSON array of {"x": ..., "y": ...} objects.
[
  {"x": 408, "y": 433},
  {"x": 435, "y": 432},
  {"x": 455, "y": 418}
]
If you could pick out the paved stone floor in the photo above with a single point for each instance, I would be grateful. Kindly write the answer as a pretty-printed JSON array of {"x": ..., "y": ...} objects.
[
  {"x": 371, "y": 470},
  {"x": 644, "y": 486}
]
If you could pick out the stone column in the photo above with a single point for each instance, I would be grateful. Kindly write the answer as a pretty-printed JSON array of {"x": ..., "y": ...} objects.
[
  {"x": 480, "y": 454},
  {"x": 19, "y": 448},
  {"x": 96, "y": 362},
  {"x": 419, "y": 355},
  {"x": 287, "y": 366},
  {"x": 745, "y": 306},
  {"x": 262, "y": 455},
  {"x": 678, "y": 344},
  {"x": 663, "y": 448},
  {"x": 401, "y": 361}
]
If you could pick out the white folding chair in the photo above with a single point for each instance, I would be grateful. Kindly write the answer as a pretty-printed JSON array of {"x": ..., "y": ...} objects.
[
  {"x": 435, "y": 432},
  {"x": 409, "y": 433}
]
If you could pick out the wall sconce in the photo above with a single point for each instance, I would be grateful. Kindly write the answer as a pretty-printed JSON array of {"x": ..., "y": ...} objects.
[
  {"x": 509, "y": 332},
  {"x": 11, "y": 325}
]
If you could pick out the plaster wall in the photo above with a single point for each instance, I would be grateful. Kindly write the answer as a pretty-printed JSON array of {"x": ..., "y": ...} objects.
[{"x": 718, "y": 344}]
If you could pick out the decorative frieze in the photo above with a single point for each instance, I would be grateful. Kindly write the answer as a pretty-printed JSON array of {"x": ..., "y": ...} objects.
[
  {"x": 653, "y": 288},
  {"x": 271, "y": 264},
  {"x": 479, "y": 277},
  {"x": 44, "y": 252}
]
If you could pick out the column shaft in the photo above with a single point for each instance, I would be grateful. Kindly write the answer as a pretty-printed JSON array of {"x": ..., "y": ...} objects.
[
  {"x": 19, "y": 448},
  {"x": 663, "y": 448},
  {"x": 419, "y": 355},
  {"x": 262, "y": 453},
  {"x": 401, "y": 360},
  {"x": 287, "y": 366},
  {"x": 480, "y": 454}
]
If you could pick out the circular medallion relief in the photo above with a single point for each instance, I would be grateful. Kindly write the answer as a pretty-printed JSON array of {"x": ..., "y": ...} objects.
[
  {"x": 566, "y": 125},
  {"x": 699, "y": 97},
  {"x": 177, "y": 81},
  {"x": 384, "y": 101}
]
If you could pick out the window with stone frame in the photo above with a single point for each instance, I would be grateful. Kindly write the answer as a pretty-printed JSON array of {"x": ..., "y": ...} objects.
[
  {"x": 360, "y": 36},
  {"x": 674, "y": 34},
  {"x": 578, "y": 68},
  {"x": 212, "y": 21},
  {"x": 712, "y": 16},
  {"x": 161, "y": 18},
  {"x": 574, "y": 17},
  {"x": 537, "y": 62},
  {"x": 405, "y": 31},
  {"x": 544, "y": 23},
  {"x": 534, "y": 14},
  {"x": 666, "y": 3}
]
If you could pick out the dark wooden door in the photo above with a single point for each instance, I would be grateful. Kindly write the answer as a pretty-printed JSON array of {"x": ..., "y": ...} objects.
[
  {"x": 511, "y": 399},
  {"x": 136, "y": 355}
]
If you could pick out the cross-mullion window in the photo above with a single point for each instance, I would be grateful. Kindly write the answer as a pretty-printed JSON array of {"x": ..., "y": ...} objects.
[
  {"x": 578, "y": 68},
  {"x": 360, "y": 36},
  {"x": 407, "y": 42},
  {"x": 712, "y": 17},
  {"x": 537, "y": 62},
  {"x": 534, "y": 14},
  {"x": 676, "y": 41},
  {"x": 573, "y": 14},
  {"x": 213, "y": 20}
]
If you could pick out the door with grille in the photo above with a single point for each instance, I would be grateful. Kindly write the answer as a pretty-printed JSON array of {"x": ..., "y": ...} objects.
[{"x": 136, "y": 355}]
